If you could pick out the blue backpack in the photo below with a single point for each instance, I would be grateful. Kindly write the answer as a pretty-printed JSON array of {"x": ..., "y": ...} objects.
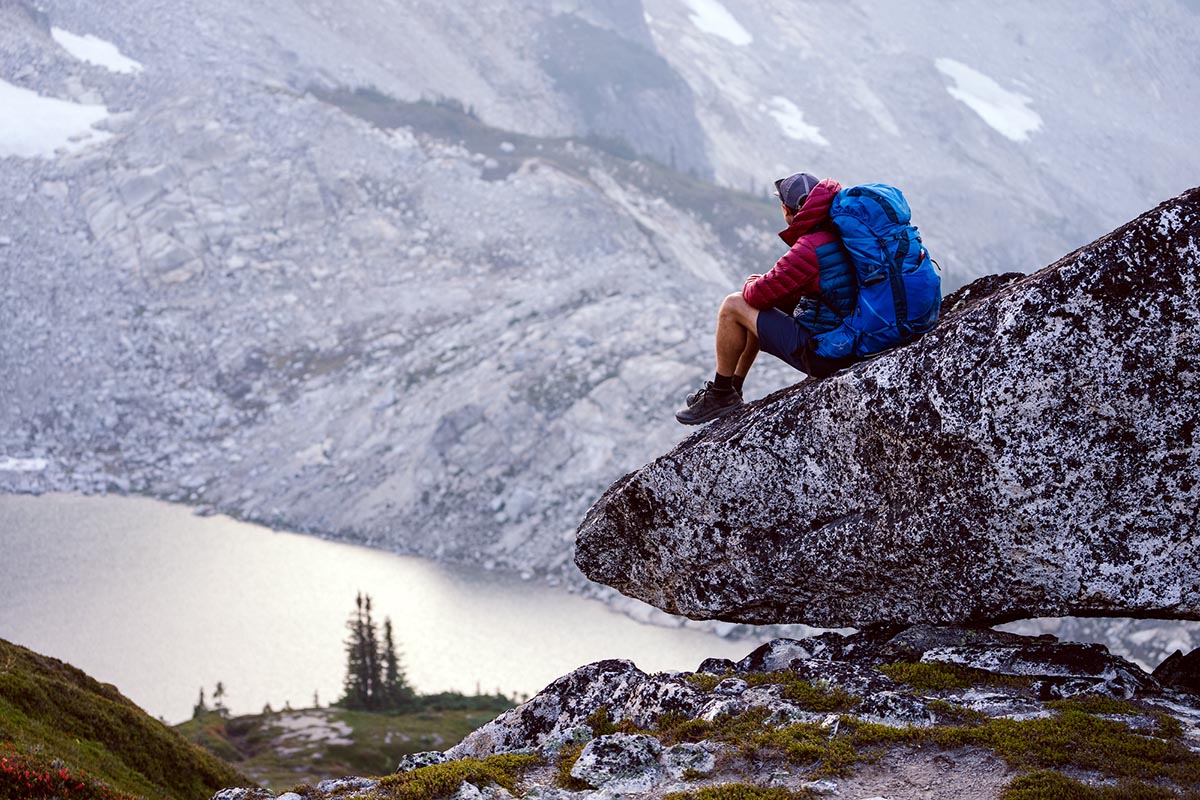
[{"x": 899, "y": 289}]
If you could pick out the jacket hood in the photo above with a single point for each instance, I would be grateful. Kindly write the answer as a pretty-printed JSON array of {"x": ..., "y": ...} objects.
[{"x": 813, "y": 213}]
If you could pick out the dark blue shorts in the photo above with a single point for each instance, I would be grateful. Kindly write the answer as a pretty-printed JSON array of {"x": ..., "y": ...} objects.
[{"x": 780, "y": 335}]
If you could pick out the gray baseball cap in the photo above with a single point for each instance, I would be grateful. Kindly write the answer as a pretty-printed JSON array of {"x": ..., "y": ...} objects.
[{"x": 793, "y": 189}]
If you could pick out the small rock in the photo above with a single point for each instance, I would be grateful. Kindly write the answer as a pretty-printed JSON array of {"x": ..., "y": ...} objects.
[
  {"x": 335, "y": 785},
  {"x": 468, "y": 791},
  {"x": 1179, "y": 671},
  {"x": 417, "y": 760},
  {"x": 243, "y": 794},
  {"x": 620, "y": 762},
  {"x": 688, "y": 758},
  {"x": 715, "y": 666},
  {"x": 577, "y": 735}
]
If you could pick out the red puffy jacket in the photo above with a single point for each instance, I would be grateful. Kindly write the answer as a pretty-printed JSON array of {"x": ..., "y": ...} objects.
[{"x": 797, "y": 274}]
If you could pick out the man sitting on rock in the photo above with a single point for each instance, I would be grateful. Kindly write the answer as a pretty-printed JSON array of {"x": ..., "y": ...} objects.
[{"x": 808, "y": 291}]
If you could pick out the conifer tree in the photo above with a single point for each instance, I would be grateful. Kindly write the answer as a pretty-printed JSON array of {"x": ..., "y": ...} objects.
[
  {"x": 356, "y": 686},
  {"x": 375, "y": 679},
  {"x": 398, "y": 693},
  {"x": 374, "y": 663},
  {"x": 219, "y": 700},
  {"x": 201, "y": 707}
]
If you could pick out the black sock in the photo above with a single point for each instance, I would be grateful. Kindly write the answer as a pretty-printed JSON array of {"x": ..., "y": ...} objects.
[
  {"x": 738, "y": 381},
  {"x": 723, "y": 383}
]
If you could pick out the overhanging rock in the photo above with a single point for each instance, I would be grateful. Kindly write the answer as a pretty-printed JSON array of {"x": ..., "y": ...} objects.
[{"x": 1034, "y": 455}]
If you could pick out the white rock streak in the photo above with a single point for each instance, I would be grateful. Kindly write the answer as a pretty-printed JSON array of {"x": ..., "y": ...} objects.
[
  {"x": 1005, "y": 111},
  {"x": 95, "y": 50},
  {"x": 33, "y": 126},
  {"x": 10, "y": 464},
  {"x": 712, "y": 17},
  {"x": 791, "y": 121}
]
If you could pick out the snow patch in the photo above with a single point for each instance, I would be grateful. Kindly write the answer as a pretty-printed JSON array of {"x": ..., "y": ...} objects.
[
  {"x": 1005, "y": 111},
  {"x": 95, "y": 50},
  {"x": 712, "y": 17},
  {"x": 38, "y": 127},
  {"x": 11, "y": 464},
  {"x": 791, "y": 121}
]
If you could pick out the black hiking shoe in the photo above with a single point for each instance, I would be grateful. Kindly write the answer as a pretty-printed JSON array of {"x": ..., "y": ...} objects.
[
  {"x": 697, "y": 395},
  {"x": 708, "y": 403}
]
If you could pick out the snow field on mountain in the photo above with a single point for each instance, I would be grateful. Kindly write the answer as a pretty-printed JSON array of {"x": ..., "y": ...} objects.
[
  {"x": 712, "y": 17},
  {"x": 1007, "y": 112},
  {"x": 34, "y": 126},
  {"x": 791, "y": 121},
  {"x": 95, "y": 50}
]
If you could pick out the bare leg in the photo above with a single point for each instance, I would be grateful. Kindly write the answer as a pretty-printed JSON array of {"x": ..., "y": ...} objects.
[
  {"x": 748, "y": 355},
  {"x": 737, "y": 336}
]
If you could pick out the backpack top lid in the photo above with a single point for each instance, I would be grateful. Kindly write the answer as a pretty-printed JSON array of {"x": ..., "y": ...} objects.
[{"x": 867, "y": 203}]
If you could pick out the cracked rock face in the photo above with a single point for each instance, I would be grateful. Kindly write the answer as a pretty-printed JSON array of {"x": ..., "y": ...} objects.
[{"x": 1032, "y": 456}]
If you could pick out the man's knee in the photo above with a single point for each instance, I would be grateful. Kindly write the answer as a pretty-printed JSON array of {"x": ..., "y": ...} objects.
[
  {"x": 734, "y": 304},
  {"x": 736, "y": 307}
]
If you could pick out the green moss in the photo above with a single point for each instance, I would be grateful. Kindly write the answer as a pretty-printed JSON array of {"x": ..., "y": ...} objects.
[
  {"x": 600, "y": 724},
  {"x": 939, "y": 677},
  {"x": 1168, "y": 727},
  {"x": 1083, "y": 741},
  {"x": 563, "y": 764},
  {"x": 809, "y": 696},
  {"x": 52, "y": 711},
  {"x": 443, "y": 780},
  {"x": 1096, "y": 704},
  {"x": 704, "y": 681},
  {"x": 806, "y": 745},
  {"x": 742, "y": 791},
  {"x": 1071, "y": 739},
  {"x": 1049, "y": 785},
  {"x": 672, "y": 729}
]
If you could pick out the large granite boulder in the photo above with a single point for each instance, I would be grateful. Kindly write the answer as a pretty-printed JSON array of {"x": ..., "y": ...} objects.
[{"x": 1032, "y": 456}]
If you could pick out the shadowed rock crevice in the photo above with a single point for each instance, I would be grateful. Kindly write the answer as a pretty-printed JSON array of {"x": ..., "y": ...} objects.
[{"x": 1031, "y": 456}]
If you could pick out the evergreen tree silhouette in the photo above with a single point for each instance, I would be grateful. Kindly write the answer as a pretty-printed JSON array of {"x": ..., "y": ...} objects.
[
  {"x": 375, "y": 679},
  {"x": 356, "y": 691},
  {"x": 398, "y": 693},
  {"x": 373, "y": 672},
  {"x": 201, "y": 707}
]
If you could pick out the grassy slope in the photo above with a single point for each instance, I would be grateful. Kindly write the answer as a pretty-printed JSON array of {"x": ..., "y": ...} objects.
[
  {"x": 286, "y": 748},
  {"x": 65, "y": 732}
]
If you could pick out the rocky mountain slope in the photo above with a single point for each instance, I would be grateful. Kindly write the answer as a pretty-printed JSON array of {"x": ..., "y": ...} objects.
[
  {"x": 441, "y": 314},
  {"x": 1030, "y": 457}
]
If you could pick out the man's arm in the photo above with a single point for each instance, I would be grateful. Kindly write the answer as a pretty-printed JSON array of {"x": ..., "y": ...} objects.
[{"x": 794, "y": 275}]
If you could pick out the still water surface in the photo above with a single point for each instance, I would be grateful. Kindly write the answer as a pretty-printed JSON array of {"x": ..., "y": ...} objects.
[{"x": 147, "y": 596}]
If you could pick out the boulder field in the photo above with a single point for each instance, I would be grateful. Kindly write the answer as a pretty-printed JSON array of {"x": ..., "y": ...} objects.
[
  {"x": 1032, "y": 456},
  {"x": 924, "y": 713}
]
